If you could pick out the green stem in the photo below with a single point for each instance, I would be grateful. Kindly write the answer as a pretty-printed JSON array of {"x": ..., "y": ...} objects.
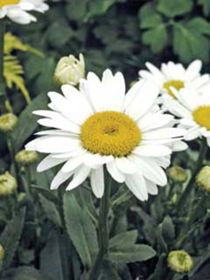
[
  {"x": 187, "y": 190},
  {"x": 2, "y": 82},
  {"x": 188, "y": 225},
  {"x": 103, "y": 228},
  {"x": 12, "y": 155}
]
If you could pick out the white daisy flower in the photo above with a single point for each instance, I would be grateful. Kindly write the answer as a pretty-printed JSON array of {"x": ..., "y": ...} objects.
[
  {"x": 193, "y": 111},
  {"x": 17, "y": 10},
  {"x": 173, "y": 76},
  {"x": 99, "y": 126}
]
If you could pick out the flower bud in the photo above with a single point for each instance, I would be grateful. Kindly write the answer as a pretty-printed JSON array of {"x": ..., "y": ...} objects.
[
  {"x": 2, "y": 253},
  {"x": 8, "y": 122},
  {"x": 8, "y": 184},
  {"x": 70, "y": 70},
  {"x": 203, "y": 178},
  {"x": 26, "y": 157},
  {"x": 177, "y": 174},
  {"x": 180, "y": 261}
]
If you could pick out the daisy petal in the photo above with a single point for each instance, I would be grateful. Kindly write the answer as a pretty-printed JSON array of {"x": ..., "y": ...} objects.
[{"x": 97, "y": 181}]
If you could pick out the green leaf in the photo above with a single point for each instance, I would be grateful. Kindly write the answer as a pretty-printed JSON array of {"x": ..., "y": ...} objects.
[
  {"x": 13, "y": 72},
  {"x": 199, "y": 25},
  {"x": 123, "y": 240},
  {"x": 160, "y": 268},
  {"x": 10, "y": 237},
  {"x": 58, "y": 38},
  {"x": 76, "y": 10},
  {"x": 108, "y": 271},
  {"x": 168, "y": 229},
  {"x": 206, "y": 6},
  {"x": 174, "y": 8},
  {"x": 148, "y": 16},
  {"x": 54, "y": 257},
  {"x": 80, "y": 229},
  {"x": 100, "y": 7},
  {"x": 27, "y": 122},
  {"x": 156, "y": 38},
  {"x": 50, "y": 210},
  {"x": 40, "y": 71},
  {"x": 23, "y": 273},
  {"x": 132, "y": 253},
  {"x": 189, "y": 41}
]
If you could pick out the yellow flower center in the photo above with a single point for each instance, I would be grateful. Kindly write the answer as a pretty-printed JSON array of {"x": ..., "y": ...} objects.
[
  {"x": 201, "y": 115},
  {"x": 177, "y": 84},
  {"x": 110, "y": 133},
  {"x": 8, "y": 2}
]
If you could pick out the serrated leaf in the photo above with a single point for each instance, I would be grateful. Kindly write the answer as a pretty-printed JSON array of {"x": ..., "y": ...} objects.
[
  {"x": 148, "y": 16},
  {"x": 13, "y": 72},
  {"x": 23, "y": 273},
  {"x": 132, "y": 253},
  {"x": 174, "y": 8},
  {"x": 124, "y": 239},
  {"x": 10, "y": 237},
  {"x": 50, "y": 210},
  {"x": 12, "y": 43},
  {"x": 27, "y": 122},
  {"x": 80, "y": 229}
]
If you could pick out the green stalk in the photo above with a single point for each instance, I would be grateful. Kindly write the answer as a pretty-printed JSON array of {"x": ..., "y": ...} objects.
[
  {"x": 186, "y": 231},
  {"x": 187, "y": 190},
  {"x": 11, "y": 149},
  {"x": 2, "y": 82},
  {"x": 103, "y": 227}
]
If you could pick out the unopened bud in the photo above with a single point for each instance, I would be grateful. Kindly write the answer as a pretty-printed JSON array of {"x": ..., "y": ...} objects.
[
  {"x": 177, "y": 174},
  {"x": 8, "y": 184},
  {"x": 180, "y": 261},
  {"x": 8, "y": 122},
  {"x": 203, "y": 178},
  {"x": 26, "y": 157},
  {"x": 70, "y": 70}
]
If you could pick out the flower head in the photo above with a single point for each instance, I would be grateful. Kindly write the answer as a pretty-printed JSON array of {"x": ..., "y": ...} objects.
[
  {"x": 193, "y": 111},
  {"x": 174, "y": 77},
  {"x": 180, "y": 261},
  {"x": 8, "y": 184},
  {"x": 100, "y": 126},
  {"x": 8, "y": 122},
  {"x": 18, "y": 10},
  {"x": 203, "y": 178},
  {"x": 26, "y": 157},
  {"x": 70, "y": 70}
]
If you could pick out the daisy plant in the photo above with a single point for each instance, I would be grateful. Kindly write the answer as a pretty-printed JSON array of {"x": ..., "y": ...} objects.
[
  {"x": 99, "y": 130},
  {"x": 192, "y": 109}
]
